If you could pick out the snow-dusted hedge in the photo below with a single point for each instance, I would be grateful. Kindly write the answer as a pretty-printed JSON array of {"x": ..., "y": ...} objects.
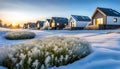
[
  {"x": 46, "y": 52},
  {"x": 19, "y": 35}
]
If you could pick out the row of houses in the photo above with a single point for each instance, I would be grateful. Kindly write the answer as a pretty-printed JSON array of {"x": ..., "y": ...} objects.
[{"x": 102, "y": 18}]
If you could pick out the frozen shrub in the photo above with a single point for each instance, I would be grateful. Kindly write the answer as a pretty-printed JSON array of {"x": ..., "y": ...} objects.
[
  {"x": 47, "y": 52},
  {"x": 19, "y": 35}
]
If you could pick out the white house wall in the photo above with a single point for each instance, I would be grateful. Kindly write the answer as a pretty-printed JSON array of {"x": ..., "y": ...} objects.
[
  {"x": 78, "y": 23},
  {"x": 110, "y": 20},
  {"x": 72, "y": 20},
  {"x": 82, "y": 23},
  {"x": 46, "y": 24}
]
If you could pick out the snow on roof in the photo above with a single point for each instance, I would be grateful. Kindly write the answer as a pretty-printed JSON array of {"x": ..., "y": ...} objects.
[
  {"x": 81, "y": 18},
  {"x": 109, "y": 11}
]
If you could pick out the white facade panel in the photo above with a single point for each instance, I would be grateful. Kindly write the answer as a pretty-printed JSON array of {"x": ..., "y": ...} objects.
[
  {"x": 78, "y": 23},
  {"x": 110, "y": 20},
  {"x": 72, "y": 20},
  {"x": 82, "y": 23},
  {"x": 46, "y": 24}
]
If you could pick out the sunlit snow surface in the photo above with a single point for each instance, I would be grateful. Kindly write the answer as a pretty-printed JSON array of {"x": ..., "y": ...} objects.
[{"x": 106, "y": 47}]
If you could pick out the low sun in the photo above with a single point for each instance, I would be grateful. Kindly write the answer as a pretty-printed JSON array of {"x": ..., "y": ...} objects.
[{"x": 14, "y": 24}]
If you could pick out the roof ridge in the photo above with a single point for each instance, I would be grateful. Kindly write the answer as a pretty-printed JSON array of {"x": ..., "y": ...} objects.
[
  {"x": 109, "y": 11},
  {"x": 81, "y": 18},
  {"x": 80, "y": 15},
  {"x": 58, "y": 17},
  {"x": 104, "y": 8}
]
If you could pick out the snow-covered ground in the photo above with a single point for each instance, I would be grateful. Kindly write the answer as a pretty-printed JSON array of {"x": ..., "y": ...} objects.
[{"x": 106, "y": 47}]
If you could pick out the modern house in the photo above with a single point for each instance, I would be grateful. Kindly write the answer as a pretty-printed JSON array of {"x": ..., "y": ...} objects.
[
  {"x": 25, "y": 26},
  {"x": 106, "y": 18},
  {"x": 31, "y": 25},
  {"x": 58, "y": 23},
  {"x": 46, "y": 25},
  {"x": 78, "y": 22},
  {"x": 39, "y": 24}
]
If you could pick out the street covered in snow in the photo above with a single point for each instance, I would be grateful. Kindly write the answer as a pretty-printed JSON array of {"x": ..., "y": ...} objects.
[{"x": 105, "y": 45}]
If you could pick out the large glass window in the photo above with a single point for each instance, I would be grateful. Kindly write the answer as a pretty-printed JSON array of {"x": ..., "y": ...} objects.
[
  {"x": 99, "y": 21},
  {"x": 38, "y": 25},
  {"x": 53, "y": 25},
  {"x": 58, "y": 24}
]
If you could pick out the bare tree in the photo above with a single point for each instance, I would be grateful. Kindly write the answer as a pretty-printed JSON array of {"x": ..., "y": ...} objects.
[{"x": 0, "y": 23}]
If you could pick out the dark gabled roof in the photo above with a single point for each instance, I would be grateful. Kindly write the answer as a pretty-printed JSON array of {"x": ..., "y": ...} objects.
[
  {"x": 25, "y": 24},
  {"x": 31, "y": 24},
  {"x": 109, "y": 11},
  {"x": 40, "y": 23},
  {"x": 48, "y": 20},
  {"x": 60, "y": 19},
  {"x": 81, "y": 18}
]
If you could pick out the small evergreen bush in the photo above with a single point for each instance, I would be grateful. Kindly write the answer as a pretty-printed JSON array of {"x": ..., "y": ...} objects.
[
  {"x": 19, "y": 35},
  {"x": 46, "y": 52}
]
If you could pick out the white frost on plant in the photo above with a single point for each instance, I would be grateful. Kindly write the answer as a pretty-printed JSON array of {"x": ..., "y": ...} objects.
[
  {"x": 50, "y": 51},
  {"x": 47, "y": 60},
  {"x": 19, "y": 35},
  {"x": 14, "y": 60},
  {"x": 21, "y": 62},
  {"x": 55, "y": 48},
  {"x": 22, "y": 56},
  {"x": 29, "y": 53},
  {"x": 29, "y": 60},
  {"x": 35, "y": 51},
  {"x": 35, "y": 64},
  {"x": 61, "y": 57},
  {"x": 42, "y": 67}
]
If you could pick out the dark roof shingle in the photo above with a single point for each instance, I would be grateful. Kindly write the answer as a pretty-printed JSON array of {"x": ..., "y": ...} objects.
[
  {"x": 109, "y": 11},
  {"x": 48, "y": 20},
  {"x": 31, "y": 24},
  {"x": 81, "y": 18},
  {"x": 60, "y": 20},
  {"x": 41, "y": 23}
]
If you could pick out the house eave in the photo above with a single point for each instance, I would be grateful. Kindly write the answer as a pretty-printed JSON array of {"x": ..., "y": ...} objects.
[{"x": 97, "y": 10}]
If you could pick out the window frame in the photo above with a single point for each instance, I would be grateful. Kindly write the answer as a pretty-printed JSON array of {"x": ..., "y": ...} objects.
[{"x": 115, "y": 20}]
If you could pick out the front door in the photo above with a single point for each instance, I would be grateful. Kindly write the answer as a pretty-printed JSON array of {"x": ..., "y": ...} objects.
[{"x": 73, "y": 24}]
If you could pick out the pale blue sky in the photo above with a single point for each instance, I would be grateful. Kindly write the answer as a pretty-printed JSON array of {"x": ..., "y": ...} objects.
[{"x": 20, "y": 10}]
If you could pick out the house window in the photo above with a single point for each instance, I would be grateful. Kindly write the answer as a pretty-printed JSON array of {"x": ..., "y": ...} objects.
[
  {"x": 38, "y": 25},
  {"x": 99, "y": 21},
  {"x": 73, "y": 24},
  {"x": 53, "y": 25},
  {"x": 58, "y": 24},
  {"x": 28, "y": 26},
  {"x": 115, "y": 20}
]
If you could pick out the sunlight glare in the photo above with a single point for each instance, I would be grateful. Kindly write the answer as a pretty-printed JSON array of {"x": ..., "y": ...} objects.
[{"x": 14, "y": 24}]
